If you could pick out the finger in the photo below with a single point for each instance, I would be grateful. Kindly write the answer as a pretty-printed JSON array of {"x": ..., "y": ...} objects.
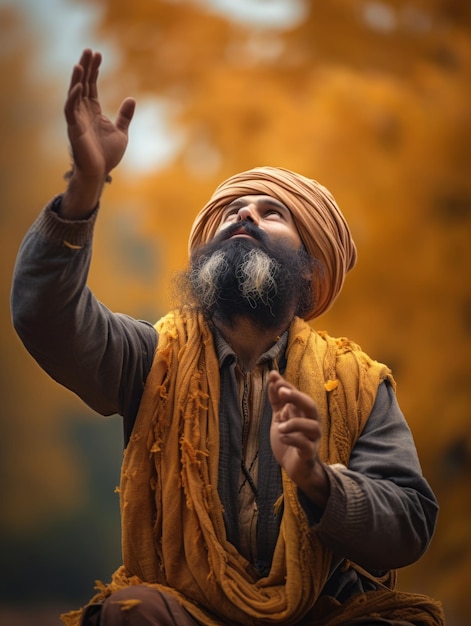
[
  {"x": 275, "y": 377},
  {"x": 73, "y": 98},
  {"x": 284, "y": 396},
  {"x": 93, "y": 75},
  {"x": 85, "y": 57},
  {"x": 125, "y": 114},
  {"x": 305, "y": 427},
  {"x": 303, "y": 405},
  {"x": 85, "y": 62},
  {"x": 79, "y": 70},
  {"x": 275, "y": 383},
  {"x": 307, "y": 448},
  {"x": 290, "y": 411},
  {"x": 76, "y": 77}
]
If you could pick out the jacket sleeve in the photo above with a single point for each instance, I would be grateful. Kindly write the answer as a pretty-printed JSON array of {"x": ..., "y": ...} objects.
[
  {"x": 381, "y": 513},
  {"x": 101, "y": 356}
]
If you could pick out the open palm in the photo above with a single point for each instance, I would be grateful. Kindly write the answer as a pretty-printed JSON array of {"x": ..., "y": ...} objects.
[{"x": 97, "y": 144}]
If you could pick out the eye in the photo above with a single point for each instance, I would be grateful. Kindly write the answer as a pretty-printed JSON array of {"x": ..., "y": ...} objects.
[
  {"x": 232, "y": 210},
  {"x": 273, "y": 212},
  {"x": 230, "y": 213}
]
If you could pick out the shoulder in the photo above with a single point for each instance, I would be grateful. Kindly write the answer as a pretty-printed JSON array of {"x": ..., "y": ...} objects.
[{"x": 344, "y": 357}]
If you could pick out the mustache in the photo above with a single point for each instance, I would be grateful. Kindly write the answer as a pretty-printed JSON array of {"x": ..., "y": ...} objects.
[{"x": 246, "y": 227}]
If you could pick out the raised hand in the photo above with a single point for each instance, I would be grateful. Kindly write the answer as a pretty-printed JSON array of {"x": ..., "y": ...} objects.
[
  {"x": 295, "y": 437},
  {"x": 97, "y": 144}
]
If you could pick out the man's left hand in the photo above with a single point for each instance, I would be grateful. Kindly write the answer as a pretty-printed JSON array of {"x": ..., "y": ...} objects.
[{"x": 295, "y": 437}]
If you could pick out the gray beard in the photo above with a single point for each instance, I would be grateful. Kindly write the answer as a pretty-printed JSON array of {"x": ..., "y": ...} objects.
[
  {"x": 264, "y": 282},
  {"x": 255, "y": 275}
]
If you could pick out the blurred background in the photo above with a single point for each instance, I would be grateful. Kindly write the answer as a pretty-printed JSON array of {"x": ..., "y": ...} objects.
[{"x": 372, "y": 98}]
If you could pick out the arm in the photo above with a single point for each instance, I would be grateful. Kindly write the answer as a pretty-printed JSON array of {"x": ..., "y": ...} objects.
[
  {"x": 379, "y": 512},
  {"x": 102, "y": 357},
  {"x": 382, "y": 512}
]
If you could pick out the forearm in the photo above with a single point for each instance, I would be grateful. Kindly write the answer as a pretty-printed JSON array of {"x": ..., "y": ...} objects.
[
  {"x": 381, "y": 513},
  {"x": 99, "y": 355},
  {"x": 375, "y": 523}
]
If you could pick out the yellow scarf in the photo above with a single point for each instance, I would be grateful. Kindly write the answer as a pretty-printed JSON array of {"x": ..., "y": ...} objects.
[{"x": 172, "y": 519}]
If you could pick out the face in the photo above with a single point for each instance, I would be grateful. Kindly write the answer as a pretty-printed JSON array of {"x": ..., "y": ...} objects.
[
  {"x": 268, "y": 214},
  {"x": 255, "y": 267}
]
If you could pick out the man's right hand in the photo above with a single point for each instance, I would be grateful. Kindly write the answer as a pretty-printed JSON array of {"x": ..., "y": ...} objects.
[{"x": 97, "y": 144}]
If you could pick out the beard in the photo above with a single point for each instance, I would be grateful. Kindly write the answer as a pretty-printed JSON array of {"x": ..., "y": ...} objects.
[{"x": 263, "y": 281}]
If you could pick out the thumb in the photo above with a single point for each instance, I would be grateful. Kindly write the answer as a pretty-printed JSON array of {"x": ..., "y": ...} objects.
[{"x": 125, "y": 114}]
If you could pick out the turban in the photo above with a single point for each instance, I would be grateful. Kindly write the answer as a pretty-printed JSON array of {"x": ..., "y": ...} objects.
[{"x": 320, "y": 223}]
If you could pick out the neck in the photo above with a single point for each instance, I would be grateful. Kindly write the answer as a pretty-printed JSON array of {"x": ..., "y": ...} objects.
[{"x": 248, "y": 340}]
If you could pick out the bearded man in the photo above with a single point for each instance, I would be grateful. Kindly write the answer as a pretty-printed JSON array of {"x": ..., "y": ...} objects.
[{"x": 269, "y": 475}]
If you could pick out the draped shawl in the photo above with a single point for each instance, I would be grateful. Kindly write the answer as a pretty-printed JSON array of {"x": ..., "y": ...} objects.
[{"x": 172, "y": 520}]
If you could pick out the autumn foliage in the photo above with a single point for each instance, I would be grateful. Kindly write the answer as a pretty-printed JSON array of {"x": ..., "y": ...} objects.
[{"x": 370, "y": 98}]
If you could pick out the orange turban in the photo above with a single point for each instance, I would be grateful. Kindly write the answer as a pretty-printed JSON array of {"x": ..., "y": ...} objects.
[{"x": 320, "y": 223}]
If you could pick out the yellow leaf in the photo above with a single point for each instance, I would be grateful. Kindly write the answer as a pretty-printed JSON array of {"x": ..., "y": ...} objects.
[{"x": 330, "y": 385}]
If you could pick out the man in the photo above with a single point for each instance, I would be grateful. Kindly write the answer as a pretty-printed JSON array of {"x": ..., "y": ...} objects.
[{"x": 269, "y": 475}]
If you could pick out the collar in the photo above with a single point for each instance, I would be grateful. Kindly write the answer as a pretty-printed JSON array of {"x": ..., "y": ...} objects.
[{"x": 226, "y": 354}]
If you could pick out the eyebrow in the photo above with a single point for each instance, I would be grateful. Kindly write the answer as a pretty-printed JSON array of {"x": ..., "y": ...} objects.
[{"x": 264, "y": 200}]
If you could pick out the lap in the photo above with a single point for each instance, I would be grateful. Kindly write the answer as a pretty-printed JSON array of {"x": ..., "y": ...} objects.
[
  {"x": 142, "y": 605},
  {"x": 138, "y": 605}
]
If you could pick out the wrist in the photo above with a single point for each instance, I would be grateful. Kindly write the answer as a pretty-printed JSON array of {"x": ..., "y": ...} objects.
[
  {"x": 82, "y": 195},
  {"x": 70, "y": 173},
  {"x": 316, "y": 485}
]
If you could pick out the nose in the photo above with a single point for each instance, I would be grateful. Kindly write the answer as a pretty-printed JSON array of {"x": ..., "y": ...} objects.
[{"x": 247, "y": 212}]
